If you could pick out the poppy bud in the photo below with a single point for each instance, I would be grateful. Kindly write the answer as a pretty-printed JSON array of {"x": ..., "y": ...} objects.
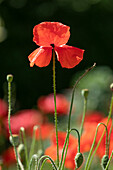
[
  {"x": 15, "y": 139},
  {"x": 78, "y": 160},
  {"x": 21, "y": 150},
  {"x": 104, "y": 161},
  {"x": 40, "y": 153},
  {"x": 85, "y": 93},
  {"x": 10, "y": 78},
  {"x": 111, "y": 87}
]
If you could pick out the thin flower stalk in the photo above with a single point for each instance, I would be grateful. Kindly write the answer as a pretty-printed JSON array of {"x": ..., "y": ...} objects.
[
  {"x": 73, "y": 129},
  {"x": 25, "y": 145},
  {"x": 109, "y": 116},
  {"x": 88, "y": 162},
  {"x": 109, "y": 137},
  {"x": 33, "y": 158},
  {"x": 9, "y": 79},
  {"x": 46, "y": 157},
  {"x": 54, "y": 89},
  {"x": 83, "y": 117},
  {"x": 33, "y": 142},
  {"x": 109, "y": 160},
  {"x": 70, "y": 111}
]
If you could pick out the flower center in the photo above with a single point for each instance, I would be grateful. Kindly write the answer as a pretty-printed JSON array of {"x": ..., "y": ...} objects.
[{"x": 52, "y": 45}]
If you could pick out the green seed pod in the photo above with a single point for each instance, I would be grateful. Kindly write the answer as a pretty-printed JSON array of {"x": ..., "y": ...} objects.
[
  {"x": 10, "y": 78},
  {"x": 104, "y": 161},
  {"x": 85, "y": 93},
  {"x": 78, "y": 160},
  {"x": 15, "y": 140}
]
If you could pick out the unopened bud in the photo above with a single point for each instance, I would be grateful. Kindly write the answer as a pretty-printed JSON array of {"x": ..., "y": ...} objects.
[
  {"x": 21, "y": 150},
  {"x": 78, "y": 160},
  {"x": 40, "y": 153},
  {"x": 14, "y": 139},
  {"x": 10, "y": 78},
  {"x": 104, "y": 161},
  {"x": 111, "y": 87},
  {"x": 85, "y": 93}
]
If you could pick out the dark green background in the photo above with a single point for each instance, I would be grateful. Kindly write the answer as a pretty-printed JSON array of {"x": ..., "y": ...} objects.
[{"x": 91, "y": 23}]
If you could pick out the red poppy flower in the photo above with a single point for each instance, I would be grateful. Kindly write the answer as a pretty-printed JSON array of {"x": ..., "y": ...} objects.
[
  {"x": 46, "y": 104},
  {"x": 3, "y": 108},
  {"x": 72, "y": 149},
  {"x": 49, "y": 35},
  {"x": 24, "y": 118}
]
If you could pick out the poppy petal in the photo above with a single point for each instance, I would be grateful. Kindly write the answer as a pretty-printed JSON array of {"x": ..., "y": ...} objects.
[
  {"x": 69, "y": 56},
  {"x": 47, "y": 33},
  {"x": 41, "y": 56}
]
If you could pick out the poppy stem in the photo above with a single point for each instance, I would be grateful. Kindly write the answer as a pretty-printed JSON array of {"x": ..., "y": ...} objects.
[
  {"x": 10, "y": 79},
  {"x": 109, "y": 116},
  {"x": 33, "y": 142},
  {"x": 54, "y": 89},
  {"x": 89, "y": 159},
  {"x": 85, "y": 94}
]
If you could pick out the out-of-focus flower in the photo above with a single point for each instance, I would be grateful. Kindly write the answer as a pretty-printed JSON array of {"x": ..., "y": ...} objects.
[
  {"x": 3, "y": 108},
  {"x": 46, "y": 104},
  {"x": 101, "y": 149},
  {"x": 49, "y": 35},
  {"x": 44, "y": 131},
  {"x": 72, "y": 149},
  {"x": 93, "y": 117},
  {"x": 24, "y": 118},
  {"x": 8, "y": 157},
  {"x": 87, "y": 136}
]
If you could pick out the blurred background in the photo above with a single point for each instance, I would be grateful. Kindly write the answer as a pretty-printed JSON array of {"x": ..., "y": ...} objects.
[{"x": 91, "y": 26}]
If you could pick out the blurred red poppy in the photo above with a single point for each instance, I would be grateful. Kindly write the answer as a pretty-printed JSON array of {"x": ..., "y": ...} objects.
[
  {"x": 46, "y": 104},
  {"x": 8, "y": 157},
  {"x": 24, "y": 118},
  {"x": 72, "y": 149},
  {"x": 88, "y": 136},
  {"x": 49, "y": 35},
  {"x": 93, "y": 116},
  {"x": 3, "y": 108},
  {"x": 101, "y": 149},
  {"x": 44, "y": 131}
]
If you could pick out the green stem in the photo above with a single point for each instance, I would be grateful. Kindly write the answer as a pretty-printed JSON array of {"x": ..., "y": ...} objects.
[
  {"x": 43, "y": 163},
  {"x": 83, "y": 117},
  {"x": 67, "y": 137},
  {"x": 54, "y": 89},
  {"x": 110, "y": 135},
  {"x": 33, "y": 142},
  {"x": 25, "y": 145},
  {"x": 109, "y": 116},
  {"x": 78, "y": 138},
  {"x": 46, "y": 157},
  {"x": 89, "y": 156},
  {"x": 70, "y": 111},
  {"x": 68, "y": 143},
  {"x": 9, "y": 79},
  {"x": 109, "y": 160},
  {"x": 33, "y": 158}
]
